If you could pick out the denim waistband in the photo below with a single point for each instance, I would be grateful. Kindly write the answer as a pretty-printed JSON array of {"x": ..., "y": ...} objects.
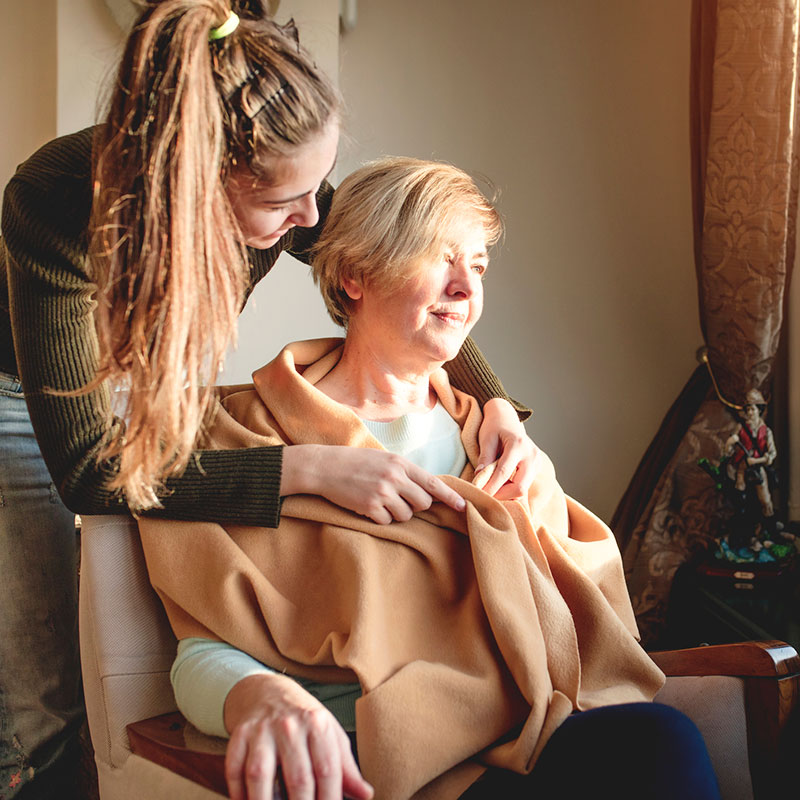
[{"x": 9, "y": 384}]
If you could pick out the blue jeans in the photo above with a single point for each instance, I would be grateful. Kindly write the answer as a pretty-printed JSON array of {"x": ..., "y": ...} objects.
[{"x": 41, "y": 698}]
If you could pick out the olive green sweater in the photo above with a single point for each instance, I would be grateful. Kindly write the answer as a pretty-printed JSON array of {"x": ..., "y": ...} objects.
[{"x": 48, "y": 339}]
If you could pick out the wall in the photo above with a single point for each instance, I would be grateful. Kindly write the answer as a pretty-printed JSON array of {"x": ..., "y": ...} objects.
[
  {"x": 89, "y": 45},
  {"x": 578, "y": 111},
  {"x": 27, "y": 81}
]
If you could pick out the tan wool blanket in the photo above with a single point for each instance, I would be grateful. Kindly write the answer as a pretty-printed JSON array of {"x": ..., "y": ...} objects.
[{"x": 473, "y": 634}]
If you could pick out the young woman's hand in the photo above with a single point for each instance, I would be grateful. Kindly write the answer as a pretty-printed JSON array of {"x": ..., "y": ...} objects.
[
  {"x": 374, "y": 483},
  {"x": 274, "y": 722},
  {"x": 507, "y": 462}
]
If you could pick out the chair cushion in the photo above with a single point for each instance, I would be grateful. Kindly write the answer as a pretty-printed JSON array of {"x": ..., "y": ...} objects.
[{"x": 716, "y": 704}]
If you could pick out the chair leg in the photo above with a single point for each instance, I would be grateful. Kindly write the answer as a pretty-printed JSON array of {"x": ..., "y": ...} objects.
[{"x": 773, "y": 746}]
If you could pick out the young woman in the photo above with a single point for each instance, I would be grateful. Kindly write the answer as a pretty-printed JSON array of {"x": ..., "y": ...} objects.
[{"x": 128, "y": 252}]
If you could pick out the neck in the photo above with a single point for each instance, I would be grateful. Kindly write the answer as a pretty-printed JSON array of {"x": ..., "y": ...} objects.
[{"x": 378, "y": 386}]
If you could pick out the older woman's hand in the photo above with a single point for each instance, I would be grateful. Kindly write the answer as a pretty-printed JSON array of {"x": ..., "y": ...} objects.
[
  {"x": 374, "y": 483},
  {"x": 507, "y": 462},
  {"x": 274, "y": 721}
]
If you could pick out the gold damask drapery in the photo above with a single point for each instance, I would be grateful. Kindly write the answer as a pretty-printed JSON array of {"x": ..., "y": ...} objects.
[{"x": 744, "y": 142}]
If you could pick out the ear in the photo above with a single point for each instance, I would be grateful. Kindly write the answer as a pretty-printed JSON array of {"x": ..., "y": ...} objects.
[{"x": 352, "y": 288}]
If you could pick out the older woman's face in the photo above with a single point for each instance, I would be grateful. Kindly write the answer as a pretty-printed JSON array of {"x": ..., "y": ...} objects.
[{"x": 428, "y": 317}]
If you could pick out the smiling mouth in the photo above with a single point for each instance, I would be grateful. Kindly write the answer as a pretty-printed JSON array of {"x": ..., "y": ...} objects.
[{"x": 451, "y": 318}]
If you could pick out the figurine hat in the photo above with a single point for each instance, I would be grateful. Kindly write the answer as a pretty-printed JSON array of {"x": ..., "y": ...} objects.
[{"x": 755, "y": 398}]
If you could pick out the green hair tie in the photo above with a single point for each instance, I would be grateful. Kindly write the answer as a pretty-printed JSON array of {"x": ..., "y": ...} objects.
[{"x": 227, "y": 27}]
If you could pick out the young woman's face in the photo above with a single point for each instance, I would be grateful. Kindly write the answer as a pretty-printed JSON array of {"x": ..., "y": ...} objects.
[{"x": 267, "y": 211}]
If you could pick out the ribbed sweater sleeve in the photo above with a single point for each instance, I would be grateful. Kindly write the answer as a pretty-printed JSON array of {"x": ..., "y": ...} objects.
[
  {"x": 51, "y": 300},
  {"x": 470, "y": 372}
]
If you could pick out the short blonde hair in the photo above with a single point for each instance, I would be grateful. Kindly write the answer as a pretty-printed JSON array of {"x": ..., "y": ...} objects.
[{"x": 386, "y": 216}]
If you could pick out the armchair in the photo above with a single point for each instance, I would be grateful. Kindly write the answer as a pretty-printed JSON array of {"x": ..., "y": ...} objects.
[{"x": 743, "y": 697}]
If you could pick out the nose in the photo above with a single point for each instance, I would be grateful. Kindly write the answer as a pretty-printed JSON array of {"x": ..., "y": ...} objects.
[
  {"x": 306, "y": 214},
  {"x": 463, "y": 282}
]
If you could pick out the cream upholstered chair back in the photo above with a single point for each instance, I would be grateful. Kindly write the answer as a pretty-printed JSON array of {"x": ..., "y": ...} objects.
[{"x": 127, "y": 649}]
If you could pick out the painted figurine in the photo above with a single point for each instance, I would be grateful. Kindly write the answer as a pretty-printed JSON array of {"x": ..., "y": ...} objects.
[
  {"x": 746, "y": 478},
  {"x": 750, "y": 453}
]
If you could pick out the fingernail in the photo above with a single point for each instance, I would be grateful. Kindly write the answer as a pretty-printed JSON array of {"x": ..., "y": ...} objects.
[
  {"x": 480, "y": 467},
  {"x": 462, "y": 504}
]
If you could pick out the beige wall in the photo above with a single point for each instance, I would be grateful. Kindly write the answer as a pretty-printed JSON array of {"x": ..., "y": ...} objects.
[
  {"x": 578, "y": 111},
  {"x": 27, "y": 81},
  {"x": 89, "y": 44}
]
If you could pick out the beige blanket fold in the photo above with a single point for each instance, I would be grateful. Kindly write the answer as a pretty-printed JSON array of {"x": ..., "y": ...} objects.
[{"x": 473, "y": 635}]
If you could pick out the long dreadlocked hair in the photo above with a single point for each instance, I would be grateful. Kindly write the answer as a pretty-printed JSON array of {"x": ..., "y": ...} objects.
[{"x": 165, "y": 248}]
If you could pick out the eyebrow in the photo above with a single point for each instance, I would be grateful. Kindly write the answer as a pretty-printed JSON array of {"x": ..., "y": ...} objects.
[
  {"x": 303, "y": 194},
  {"x": 479, "y": 254}
]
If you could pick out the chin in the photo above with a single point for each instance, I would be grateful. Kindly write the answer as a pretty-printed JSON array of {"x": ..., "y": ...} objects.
[
  {"x": 263, "y": 242},
  {"x": 447, "y": 352}
]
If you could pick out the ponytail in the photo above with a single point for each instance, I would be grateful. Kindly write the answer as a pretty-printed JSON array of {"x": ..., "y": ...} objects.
[{"x": 165, "y": 247}]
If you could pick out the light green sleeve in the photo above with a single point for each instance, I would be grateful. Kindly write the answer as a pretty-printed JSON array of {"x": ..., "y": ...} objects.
[{"x": 202, "y": 674}]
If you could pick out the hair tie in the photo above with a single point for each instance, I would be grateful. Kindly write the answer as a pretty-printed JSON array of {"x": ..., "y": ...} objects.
[{"x": 227, "y": 28}]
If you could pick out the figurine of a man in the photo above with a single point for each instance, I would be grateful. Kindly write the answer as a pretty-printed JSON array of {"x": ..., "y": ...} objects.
[{"x": 750, "y": 450}]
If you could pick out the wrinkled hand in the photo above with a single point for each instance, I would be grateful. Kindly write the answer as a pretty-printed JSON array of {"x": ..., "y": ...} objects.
[
  {"x": 374, "y": 483},
  {"x": 273, "y": 721},
  {"x": 507, "y": 463}
]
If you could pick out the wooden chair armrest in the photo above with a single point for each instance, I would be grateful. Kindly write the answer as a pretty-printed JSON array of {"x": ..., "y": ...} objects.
[
  {"x": 169, "y": 741},
  {"x": 172, "y": 742},
  {"x": 770, "y": 671},
  {"x": 767, "y": 659}
]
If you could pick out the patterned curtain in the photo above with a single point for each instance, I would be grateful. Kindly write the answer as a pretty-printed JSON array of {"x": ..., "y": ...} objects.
[{"x": 745, "y": 176}]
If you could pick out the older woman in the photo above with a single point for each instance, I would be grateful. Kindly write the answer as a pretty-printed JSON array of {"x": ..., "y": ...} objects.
[{"x": 455, "y": 646}]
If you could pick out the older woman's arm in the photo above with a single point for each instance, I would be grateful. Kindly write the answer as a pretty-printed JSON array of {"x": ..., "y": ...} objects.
[
  {"x": 202, "y": 675},
  {"x": 470, "y": 372},
  {"x": 272, "y": 721}
]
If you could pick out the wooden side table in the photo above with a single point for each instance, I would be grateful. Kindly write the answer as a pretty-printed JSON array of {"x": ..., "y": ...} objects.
[{"x": 705, "y": 609}]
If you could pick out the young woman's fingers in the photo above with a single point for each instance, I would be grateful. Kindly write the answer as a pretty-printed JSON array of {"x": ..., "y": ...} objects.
[
  {"x": 436, "y": 488},
  {"x": 483, "y": 474},
  {"x": 526, "y": 471},
  {"x": 406, "y": 489},
  {"x": 488, "y": 447},
  {"x": 504, "y": 469},
  {"x": 508, "y": 491}
]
